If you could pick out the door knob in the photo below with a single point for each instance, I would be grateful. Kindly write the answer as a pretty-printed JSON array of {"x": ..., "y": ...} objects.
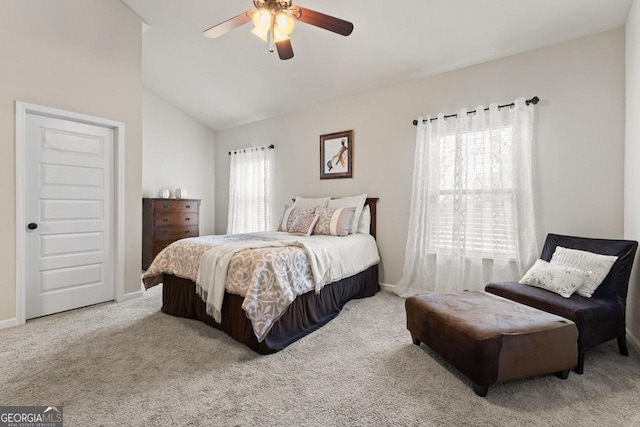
[{"x": 32, "y": 226}]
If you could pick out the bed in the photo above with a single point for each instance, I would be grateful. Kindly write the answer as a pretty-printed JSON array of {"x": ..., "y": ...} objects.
[{"x": 293, "y": 312}]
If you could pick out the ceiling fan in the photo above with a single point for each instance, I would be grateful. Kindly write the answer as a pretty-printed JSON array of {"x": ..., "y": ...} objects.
[{"x": 274, "y": 20}]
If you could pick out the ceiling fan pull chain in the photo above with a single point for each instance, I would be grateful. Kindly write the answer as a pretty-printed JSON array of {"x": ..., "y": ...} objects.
[{"x": 272, "y": 43}]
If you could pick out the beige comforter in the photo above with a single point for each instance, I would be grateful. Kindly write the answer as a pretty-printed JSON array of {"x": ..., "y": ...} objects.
[{"x": 269, "y": 277}]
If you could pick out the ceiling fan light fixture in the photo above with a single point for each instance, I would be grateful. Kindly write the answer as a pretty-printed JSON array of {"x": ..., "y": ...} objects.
[
  {"x": 262, "y": 19},
  {"x": 285, "y": 23},
  {"x": 278, "y": 36},
  {"x": 260, "y": 33}
]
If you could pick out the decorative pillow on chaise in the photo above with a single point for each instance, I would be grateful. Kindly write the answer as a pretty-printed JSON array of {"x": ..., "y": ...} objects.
[
  {"x": 555, "y": 278},
  {"x": 598, "y": 265}
]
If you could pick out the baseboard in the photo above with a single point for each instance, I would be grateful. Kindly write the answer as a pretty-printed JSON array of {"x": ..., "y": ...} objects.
[
  {"x": 635, "y": 343},
  {"x": 387, "y": 287},
  {"x": 9, "y": 323},
  {"x": 130, "y": 295}
]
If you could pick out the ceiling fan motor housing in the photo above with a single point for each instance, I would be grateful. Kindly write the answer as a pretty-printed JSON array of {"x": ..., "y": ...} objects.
[{"x": 272, "y": 5}]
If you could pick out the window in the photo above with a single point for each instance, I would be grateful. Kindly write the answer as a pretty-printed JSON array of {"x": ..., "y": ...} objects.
[
  {"x": 474, "y": 208},
  {"x": 250, "y": 190},
  {"x": 472, "y": 215}
]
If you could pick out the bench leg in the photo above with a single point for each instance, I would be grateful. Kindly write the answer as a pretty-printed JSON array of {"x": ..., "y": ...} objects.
[
  {"x": 622, "y": 345},
  {"x": 480, "y": 390},
  {"x": 415, "y": 340},
  {"x": 579, "y": 369},
  {"x": 563, "y": 375}
]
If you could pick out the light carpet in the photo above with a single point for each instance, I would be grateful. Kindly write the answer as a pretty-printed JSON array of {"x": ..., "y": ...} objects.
[{"x": 128, "y": 364}]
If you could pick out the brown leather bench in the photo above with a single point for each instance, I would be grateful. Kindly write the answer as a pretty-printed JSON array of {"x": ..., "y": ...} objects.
[{"x": 492, "y": 339}]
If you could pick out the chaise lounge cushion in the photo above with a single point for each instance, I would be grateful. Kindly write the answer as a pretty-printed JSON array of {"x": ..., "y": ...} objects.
[{"x": 608, "y": 314}]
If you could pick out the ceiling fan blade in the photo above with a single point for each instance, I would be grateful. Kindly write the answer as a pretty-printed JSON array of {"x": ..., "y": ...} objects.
[
  {"x": 326, "y": 22},
  {"x": 285, "y": 51},
  {"x": 228, "y": 25}
]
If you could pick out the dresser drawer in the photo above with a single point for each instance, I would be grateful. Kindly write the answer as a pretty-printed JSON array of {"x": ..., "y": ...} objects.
[
  {"x": 160, "y": 245},
  {"x": 176, "y": 206},
  {"x": 170, "y": 219},
  {"x": 167, "y": 233}
]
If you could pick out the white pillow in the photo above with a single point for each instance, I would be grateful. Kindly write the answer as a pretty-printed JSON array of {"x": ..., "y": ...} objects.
[
  {"x": 555, "y": 278},
  {"x": 364, "y": 225},
  {"x": 350, "y": 202},
  {"x": 599, "y": 265},
  {"x": 304, "y": 202}
]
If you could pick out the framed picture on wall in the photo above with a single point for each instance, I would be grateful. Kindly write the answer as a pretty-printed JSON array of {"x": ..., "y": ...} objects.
[{"x": 336, "y": 155}]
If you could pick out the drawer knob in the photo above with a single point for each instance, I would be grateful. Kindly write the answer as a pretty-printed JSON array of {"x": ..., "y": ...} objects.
[
  {"x": 165, "y": 219},
  {"x": 187, "y": 231},
  {"x": 165, "y": 231},
  {"x": 187, "y": 219},
  {"x": 187, "y": 206},
  {"x": 166, "y": 206}
]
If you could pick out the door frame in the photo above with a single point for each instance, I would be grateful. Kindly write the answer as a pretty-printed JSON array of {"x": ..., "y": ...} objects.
[{"x": 22, "y": 109}]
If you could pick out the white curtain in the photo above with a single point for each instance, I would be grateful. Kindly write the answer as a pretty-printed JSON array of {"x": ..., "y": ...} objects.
[
  {"x": 250, "y": 190},
  {"x": 472, "y": 218}
]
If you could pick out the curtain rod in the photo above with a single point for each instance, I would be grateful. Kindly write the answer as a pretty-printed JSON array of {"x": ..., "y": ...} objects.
[
  {"x": 271, "y": 147},
  {"x": 533, "y": 101}
]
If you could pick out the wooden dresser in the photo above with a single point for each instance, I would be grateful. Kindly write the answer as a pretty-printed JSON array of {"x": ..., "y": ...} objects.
[{"x": 164, "y": 221}]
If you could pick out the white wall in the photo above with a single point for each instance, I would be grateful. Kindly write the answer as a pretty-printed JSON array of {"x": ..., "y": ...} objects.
[
  {"x": 81, "y": 56},
  {"x": 632, "y": 160},
  {"x": 578, "y": 154},
  {"x": 177, "y": 152}
]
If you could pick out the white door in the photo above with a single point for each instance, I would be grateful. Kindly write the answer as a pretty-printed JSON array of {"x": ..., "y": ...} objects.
[{"x": 69, "y": 212}]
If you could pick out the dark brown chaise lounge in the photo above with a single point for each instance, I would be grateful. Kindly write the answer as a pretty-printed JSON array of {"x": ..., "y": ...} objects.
[{"x": 600, "y": 318}]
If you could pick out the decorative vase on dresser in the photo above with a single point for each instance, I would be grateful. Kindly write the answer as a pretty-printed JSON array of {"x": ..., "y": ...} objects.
[{"x": 164, "y": 221}]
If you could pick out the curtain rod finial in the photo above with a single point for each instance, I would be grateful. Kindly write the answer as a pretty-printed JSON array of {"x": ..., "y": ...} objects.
[
  {"x": 533, "y": 100},
  {"x": 415, "y": 123}
]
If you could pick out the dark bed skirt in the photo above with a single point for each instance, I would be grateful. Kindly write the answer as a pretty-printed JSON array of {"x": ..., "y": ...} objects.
[{"x": 306, "y": 314}]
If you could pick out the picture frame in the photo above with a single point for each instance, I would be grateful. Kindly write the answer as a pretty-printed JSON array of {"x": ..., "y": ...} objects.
[{"x": 336, "y": 155}]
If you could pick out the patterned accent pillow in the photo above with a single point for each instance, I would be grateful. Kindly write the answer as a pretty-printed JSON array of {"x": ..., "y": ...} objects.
[
  {"x": 334, "y": 222},
  {"x": 599, "y": 265},
  {"x": 555, "y": 278},
  {"x": 289, "y": 215},
  {"x": 303, "y": 224}
]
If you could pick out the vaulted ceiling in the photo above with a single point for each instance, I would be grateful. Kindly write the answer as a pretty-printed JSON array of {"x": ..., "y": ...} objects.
[{"x": 233, "y": 79}]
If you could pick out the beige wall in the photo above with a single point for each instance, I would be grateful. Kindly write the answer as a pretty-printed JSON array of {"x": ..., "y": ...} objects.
[
  {"x": 632, "y": 160},
  {"x": 178, "y": 152},
  {"x": 578, "y": 153},
  {"x": 76, "y": 55}
]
